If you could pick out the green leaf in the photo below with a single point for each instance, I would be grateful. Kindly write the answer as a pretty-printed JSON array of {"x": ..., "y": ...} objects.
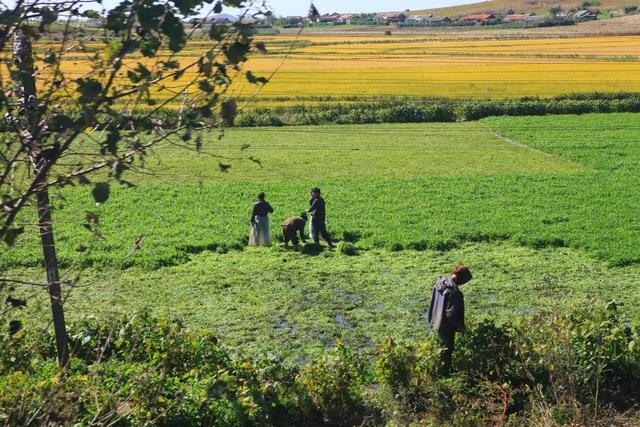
[
  {"x": 217, "y": 32},
  {"x": 101, "y": 192},
  {"x": 50, "y": 58},
  {"x": 117, "y": 17},
  {"x": 205, "y": 86},
  {"x": 173, "y": 28},
  {"x": 149, "y": 16},
  {"x": 171, "y": 65},
  {"x": 187, "y": 7},
  {"x": 110, "y": 144},
  {"x": 256, "y": 80},
  {"x": 130, "y": 46},
  {"x": 229, "y": 111},
  {"x": 89, "y": 89},
  {"x": 47, "y": 17},
  {"x": 92, "y": 217},
  {"x": 10, "y": 235},
  {"x": 91, "y": 14},
  {"x": 150, "y": 46},
  {"x": 237, "y": 52}
]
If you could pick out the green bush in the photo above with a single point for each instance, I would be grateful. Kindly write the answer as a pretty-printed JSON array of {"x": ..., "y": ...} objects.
[
  {"x": 334, "y": 384},
  {"x": 575, "y": 368},
  {"x": 138, "y": 371},
  {"x": 347, "y": 248},
  {"x": 354, "y": 110}
]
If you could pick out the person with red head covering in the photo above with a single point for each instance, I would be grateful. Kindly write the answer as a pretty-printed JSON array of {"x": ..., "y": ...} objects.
[{"x": 446, "y": 312}]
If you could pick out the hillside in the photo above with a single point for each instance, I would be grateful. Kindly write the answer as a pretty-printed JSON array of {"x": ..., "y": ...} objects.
[{"x": 522, "y": 6}]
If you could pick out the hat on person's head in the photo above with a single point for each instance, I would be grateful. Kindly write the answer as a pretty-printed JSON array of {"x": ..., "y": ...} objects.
[
  {"x": 315, "y": 190},
  {"x": 463, "y": 274},
  {"x": 261, "y": 195}
]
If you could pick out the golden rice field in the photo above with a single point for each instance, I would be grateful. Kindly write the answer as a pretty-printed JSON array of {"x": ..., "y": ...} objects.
[{"x": 339, "y": 66}]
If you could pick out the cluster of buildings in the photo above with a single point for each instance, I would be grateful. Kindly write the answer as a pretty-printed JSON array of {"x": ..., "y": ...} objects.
[
  {"x": 398, "y": 18},
  {"x": 401, "y": 19},
  {"x": 349, "y": 18}
]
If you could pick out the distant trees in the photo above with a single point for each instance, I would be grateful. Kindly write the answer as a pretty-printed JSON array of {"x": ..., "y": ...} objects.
[
  {"x": 313, "y": 12},
  {"x": 555, "y": 11}
]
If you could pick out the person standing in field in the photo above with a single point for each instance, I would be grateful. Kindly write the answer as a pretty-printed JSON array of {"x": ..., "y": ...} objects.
[
  {"x": 446, "y": 312},
  {"x": 260, "y": 231},
  {"x": 318, "y": 226}
]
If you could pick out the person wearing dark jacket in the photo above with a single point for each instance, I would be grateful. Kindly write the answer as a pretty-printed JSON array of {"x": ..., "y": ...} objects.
[
  {"x": 292, "y": 227},
  {"x": 260, "y": 231},
  {"x": 446, "y": 312},
  {"x": 317, "y": 209}
]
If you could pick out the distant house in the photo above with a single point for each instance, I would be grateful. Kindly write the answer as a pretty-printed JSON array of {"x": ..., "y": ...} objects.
[
  {"x": 262, "y": 25},
  {"x": 585, "y": 15},
  {"x": 516, "y": 18},
  {"x": 477, "y": 19},
  {"x": 438, "y": 20},
  {"x": 220, "y": 18},
  {"x": 294, "y": 21},
  {"x": 418, "y": 18},
  {"x": 345, "y": 19},
  {"x": 391, "y": 17},
  {"x": 328, "y": 19}
]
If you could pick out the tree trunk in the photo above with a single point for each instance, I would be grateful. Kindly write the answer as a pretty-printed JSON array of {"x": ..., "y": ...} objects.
[
  {"x": 23, "y": 58},
  {"x": 51, "y": 265}
]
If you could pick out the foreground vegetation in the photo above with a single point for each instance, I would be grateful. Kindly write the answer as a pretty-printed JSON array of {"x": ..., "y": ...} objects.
[{"x": 554, "y": 370}]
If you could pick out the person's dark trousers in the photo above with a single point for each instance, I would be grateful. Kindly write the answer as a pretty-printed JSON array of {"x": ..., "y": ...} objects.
[
  {"x": 447, "y": 336},
  {"x": 320, "y": 229},
  {"x": 290, "y": 236}
]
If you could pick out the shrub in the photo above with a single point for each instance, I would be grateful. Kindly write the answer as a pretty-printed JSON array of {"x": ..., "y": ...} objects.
[
  {"x": 375, "y": 110},
  {"x": 557, "y": 368},
  {"x": 408, "y": 369},
  {"x": 347, "y": 248},
  {"x": 334, "y": 385},
  {"x": 312, "y": 249}
]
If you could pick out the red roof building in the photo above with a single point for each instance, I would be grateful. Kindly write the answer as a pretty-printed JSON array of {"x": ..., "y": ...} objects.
[{"x": 479, "y": 19}]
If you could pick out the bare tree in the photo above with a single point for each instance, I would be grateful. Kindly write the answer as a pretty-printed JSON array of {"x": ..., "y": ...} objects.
[{"x": 63, "y": 126}]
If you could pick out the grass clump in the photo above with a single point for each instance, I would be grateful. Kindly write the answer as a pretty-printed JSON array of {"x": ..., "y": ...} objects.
[{"x": 347, "y": 248}]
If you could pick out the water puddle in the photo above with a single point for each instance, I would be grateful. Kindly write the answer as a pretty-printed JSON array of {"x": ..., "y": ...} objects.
[
  {"x": 281, "y": 325},
  {"x": 349, "y": 297},
  {"x": 340, "y": 320}
]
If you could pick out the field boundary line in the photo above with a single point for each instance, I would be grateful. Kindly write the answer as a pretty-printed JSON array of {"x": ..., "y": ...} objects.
[{"x": 528, "y": 147}]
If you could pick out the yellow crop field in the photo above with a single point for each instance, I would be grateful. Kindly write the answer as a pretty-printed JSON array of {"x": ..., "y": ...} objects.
[
  {"x": 345, "y": 66},
  {"x": 414, "y": 66}
]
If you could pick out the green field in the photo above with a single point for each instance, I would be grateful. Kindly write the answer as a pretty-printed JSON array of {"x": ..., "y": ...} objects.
[{"x": 543, "y": 209}]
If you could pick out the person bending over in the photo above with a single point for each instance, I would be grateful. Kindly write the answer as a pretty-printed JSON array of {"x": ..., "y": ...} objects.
[
  {"x": 292, "y": 227},
  {"x": 446, "y": 312}
]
